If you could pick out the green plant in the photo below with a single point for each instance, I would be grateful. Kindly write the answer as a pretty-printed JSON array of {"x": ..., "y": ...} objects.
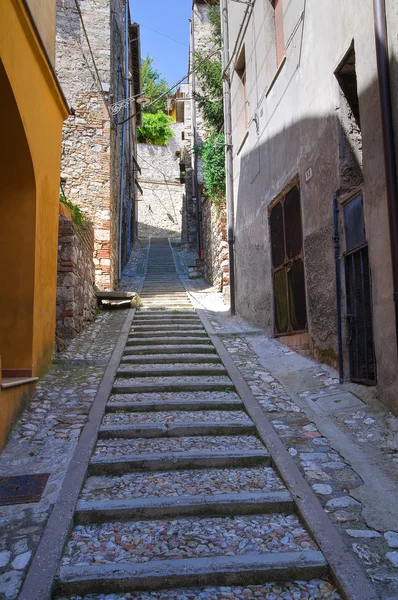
[
  {"x": 209, "y": 72},
  {"x": 155, "y": 129},
  {"x": 213, "y": 162},
  {"x": 77, "y": 215},
  {"x": 210, "y": 98},
  {"x": 153, "y": 86}
]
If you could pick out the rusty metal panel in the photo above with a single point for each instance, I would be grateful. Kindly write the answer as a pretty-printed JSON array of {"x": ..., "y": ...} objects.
[
  {"x": 277, "y": 236},
  {"x": 288, "y": 265},
  {"x": 294, "y": 235},
  {"x": 22, "y": 489}
]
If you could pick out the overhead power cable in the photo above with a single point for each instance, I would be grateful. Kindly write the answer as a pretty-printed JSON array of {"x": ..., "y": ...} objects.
[
  {"x": 190, "y": 72},
  {"x": 164, "y": 35}
]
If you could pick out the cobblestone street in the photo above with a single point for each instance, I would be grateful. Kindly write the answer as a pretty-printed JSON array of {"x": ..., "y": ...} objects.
[{"x": 45, "y": 438}]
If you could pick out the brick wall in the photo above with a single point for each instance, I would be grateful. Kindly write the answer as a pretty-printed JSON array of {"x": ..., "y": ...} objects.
[{"x": 76, "y": 301}]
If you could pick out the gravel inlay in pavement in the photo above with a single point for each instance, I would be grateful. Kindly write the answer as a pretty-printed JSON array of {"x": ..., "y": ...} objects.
[
  {"x": 176, "y": 380},
  {"x": 182, "y": 483},
  {"x": 175, "y": 416},
  {"x": 169, "y": 367},
  {"x": 173, "y": 396},
  {"x": 117, "y": 447},
  {"x": 142, "y": 541},
  {"x": 316, "y": 589}
]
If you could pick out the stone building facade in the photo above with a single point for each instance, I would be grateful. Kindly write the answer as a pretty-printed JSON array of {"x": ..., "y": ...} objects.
[
  {"x": 160, "y": 211},
  {"x": 311, "y": 215},
  {"x": 92, "y": 72},
  {"x": 204, "y": 222}
]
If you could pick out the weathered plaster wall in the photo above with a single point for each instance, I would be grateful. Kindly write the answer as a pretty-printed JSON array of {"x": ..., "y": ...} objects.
[
  {"x": 30, "y": 148},
  {"x": 294, "y": 124},
  {"x": 160, "y": 208},
  {"x": 76, "y": 300}
]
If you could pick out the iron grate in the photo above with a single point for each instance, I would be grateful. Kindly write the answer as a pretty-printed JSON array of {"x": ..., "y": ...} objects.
[{"x": 22, "y": 489}]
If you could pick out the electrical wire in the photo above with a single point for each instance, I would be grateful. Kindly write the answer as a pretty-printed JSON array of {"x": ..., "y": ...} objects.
[
  {"x": 92, "y": 56},
  {"x": 190, "y": 72},
  {"x": 164, "y": 35}
]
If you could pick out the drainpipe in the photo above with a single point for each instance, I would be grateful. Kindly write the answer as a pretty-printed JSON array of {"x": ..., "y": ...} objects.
[
  {"x": 195, "y": 184},
  {"x": 228, "y": 151},
  {"x": 126, "y": 114},
  {"x": 336, "y": 240},
  {"x": 383, "y": 72}
]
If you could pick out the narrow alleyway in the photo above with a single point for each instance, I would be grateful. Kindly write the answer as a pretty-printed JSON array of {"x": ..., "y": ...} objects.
[{"x": 182, "y": 488}]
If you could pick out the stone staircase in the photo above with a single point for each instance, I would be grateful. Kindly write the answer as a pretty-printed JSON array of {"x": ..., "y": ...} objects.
[{"x": 181, "y": 493}]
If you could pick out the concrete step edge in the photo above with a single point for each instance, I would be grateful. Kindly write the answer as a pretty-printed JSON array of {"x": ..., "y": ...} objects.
[
  {"x": 167, "y": 574},
  {"x": 178, "y": 461},
  {"x": 161, "y": 406},
  {"x": 184, "y": 506},
  {"x": 172, "y": 387},
  {"x": 179, "y": 429}
]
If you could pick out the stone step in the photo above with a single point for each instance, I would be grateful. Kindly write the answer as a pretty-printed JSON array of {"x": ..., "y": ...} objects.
[
  {"x": 147, "y": 430},
  {"x": 178, "y": 484},
  {"x": 224, "y": 571},
  {"x": 175, "y": 369},
  {"x": 168, "y": 398},
  {"x": 119, "y": 447},
  {"x": 159, "y": 331},
  {"x": 169, "y": 418},
  {"x": 186, "y": 537},
  {"x": 171, "y": 359},
  {"x": 153, "y": 314},
  {"x": 173, "y": 384},
  {"x": 169, "y": 340},
  {"x": 160, "y": 574},
  {"x": 174, "y": 404},
  {"x": 178, "y": 461},
  {"x": 142, "y": 350},
  {"x": 160, "y": 326},
  {"x": 188, "y": 506},
  {"x": 163, "y": 320}
]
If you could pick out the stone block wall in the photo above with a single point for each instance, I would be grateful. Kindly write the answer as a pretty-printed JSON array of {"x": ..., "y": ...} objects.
[
  {"x": 91, "y": 155},
  {"x": 216, "y": 264},
  {"x": 76, "y": 301},
  {"x": 160, "y": 208}
]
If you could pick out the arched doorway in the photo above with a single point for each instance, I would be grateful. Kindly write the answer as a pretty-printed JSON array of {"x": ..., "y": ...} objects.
[{"x": 17, "y": 238}]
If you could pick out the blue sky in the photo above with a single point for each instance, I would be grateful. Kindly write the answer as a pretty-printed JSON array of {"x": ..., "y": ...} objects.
[{"x": 170, "y": 19}]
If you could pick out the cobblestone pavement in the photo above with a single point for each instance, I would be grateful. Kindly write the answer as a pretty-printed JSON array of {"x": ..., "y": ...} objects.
[
  {"x": 342, "y": 438},
  {"x": 45, "y": 437}
]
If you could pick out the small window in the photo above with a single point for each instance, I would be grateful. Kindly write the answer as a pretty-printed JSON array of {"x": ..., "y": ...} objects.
[{"x": 347, "y": 77}]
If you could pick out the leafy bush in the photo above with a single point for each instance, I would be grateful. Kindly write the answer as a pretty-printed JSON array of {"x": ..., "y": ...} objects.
[
  {"x": 155, "y": 129},
  {"x": 77, "y": 215},
  {"x": 213, "y": 161},
  {"x": 153, "y": 86}
]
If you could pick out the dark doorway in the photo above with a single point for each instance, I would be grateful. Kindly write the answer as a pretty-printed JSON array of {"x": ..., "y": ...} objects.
[
  {"x": 288, "y": 264},
  {"x": 359, "y": 296}
]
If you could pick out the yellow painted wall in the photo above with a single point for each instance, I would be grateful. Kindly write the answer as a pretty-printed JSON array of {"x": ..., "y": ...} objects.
[
  {"x": 32, "y": 112},
  {"x": 44, "y": 16}
]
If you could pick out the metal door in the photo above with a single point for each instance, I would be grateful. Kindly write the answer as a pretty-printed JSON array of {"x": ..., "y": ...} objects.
[{"x": 359, "y": 296}]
